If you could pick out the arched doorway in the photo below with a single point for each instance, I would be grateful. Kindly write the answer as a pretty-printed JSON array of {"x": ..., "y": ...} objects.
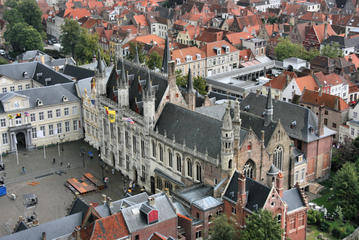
[
  {"x": 135, "y": 175},
  {"x": 20, "y": 139}
]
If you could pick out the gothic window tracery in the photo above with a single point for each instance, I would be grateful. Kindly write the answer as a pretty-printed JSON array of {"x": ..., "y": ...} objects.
[
  {"x": 278, "y": 157},
  {"x": 249, "y": 169}
]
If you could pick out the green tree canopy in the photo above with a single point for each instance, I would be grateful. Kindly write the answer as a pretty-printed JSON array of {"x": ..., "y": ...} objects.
[
  {"x": 199, "y": 83},
  {"x": 348, "y": 152},
  {"x": 154, "y": 61},
  {"x": 346, "y": 190},
  {"x": 84, "y": 48},
  {"x": 331, "y": 50},
  {"x": 222, "y": 228},
  {"x": 23, "y": 37},
  {"x": 261, "y": 225},
  {"x": 286, "y": 49},
  {"x": 31, "y": 13},
  {"x": 140, "y": 50},
  {"x": 70, "y": 36},
  {"x": 13, "y": 16}
]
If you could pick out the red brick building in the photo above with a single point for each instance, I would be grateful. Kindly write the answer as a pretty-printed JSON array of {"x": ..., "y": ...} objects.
[{"x": 245, "y": 195}]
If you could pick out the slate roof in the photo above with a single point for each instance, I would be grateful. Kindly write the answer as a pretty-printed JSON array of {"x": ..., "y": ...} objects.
[
  {"x": 48, "y": 72},
  {"x": 78, "y": 72},
  {"x": 15, "y": 71},
  {"x": 193, "y": 128},
  {"x": 195, "y": 193},
  {"x": 287, "y": 113},
  {"x": 257, "y": 193},
  {"x": 249, "y": 121},
  {"x": 116, "y": 206},
  {"x": 49, "y": 95},
  {"x": 207, "y": 203},
  {"x": 135, "y": 220},
  {"x": 79, "y": 206},
  {"x": 293, "y": 199},
  {"x": 55, "y": 229}
]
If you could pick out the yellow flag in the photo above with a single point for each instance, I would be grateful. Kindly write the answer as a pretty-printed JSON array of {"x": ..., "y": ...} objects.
[
  {"x": 106, "y": 110},
  {"x": 10, "y": 116},
  {"x": 112, "y": 116}
]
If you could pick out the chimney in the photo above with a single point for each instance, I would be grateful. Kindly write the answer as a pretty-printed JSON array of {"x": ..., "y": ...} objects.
[
  {"x": 326, "y": 28},
  {"x": 242, "y": 195},
  {"x": 42, "y": 59},
  {"x": 77, "y": 233},
  {"x": 279, "y": 184},
  {"x": 151, "y": 201},
  {"x": 43, "y": 236},
  {"x": 321, "y": 121},
  {"x": 336, "y": 106}
]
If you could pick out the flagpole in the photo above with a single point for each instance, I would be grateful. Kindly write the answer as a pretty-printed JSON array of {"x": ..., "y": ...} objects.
[
  {"x": 17, "y": 154},
  {"x": 44, "y": 152}
]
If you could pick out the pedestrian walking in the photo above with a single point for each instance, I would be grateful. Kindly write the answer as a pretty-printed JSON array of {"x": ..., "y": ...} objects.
[
  {"x": 68, "y": 165},
  {"x": 61, "y": 164},
  {"x": 53, "y": 161},
  {"x": 23, "y": 170}
]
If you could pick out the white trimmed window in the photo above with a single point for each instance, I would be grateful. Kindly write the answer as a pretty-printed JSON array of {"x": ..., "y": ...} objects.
[
  {"x": 67, "y": 126},
  {"x": 51, "y": 130},
  {"x": 4, "y": 138},
  {"x": 33, "y": 133}
]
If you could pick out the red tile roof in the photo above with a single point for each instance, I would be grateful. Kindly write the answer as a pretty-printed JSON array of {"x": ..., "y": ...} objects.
[
  {"x": 331, "y": 79},
  {"x": 76, "y": 13},
  {"x": 210, "y": 36},
  {"x": 235, "y": 38},
  {"x": 319, "y": 31},
  {"x": 245, "y": 55},
  {"x": 329, "y": 101},
  {"x": 209, "y": 47},
  {"x": 110, "y": 228},
  {"x": 190, "y": 51},
  {"x": 306, "y": 82},
  {"x": 140, "y": 20},
  {"x": 280, "y": 82},
  {"x": 353, "y": 59}
]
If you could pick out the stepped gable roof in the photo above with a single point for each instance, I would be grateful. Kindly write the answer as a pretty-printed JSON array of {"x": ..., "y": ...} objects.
[
  {"x": 306, "y": 121},
  {"x": 61, "y": 227},
  {"x": 191, "y": 127},
  {"x": 330, "y": 101},
  {"x": 159, "y": 83},
  {"x": 293, "y": 199},
  {"x": 78, "y": 72},
  {"x": 257, "y": 193}
]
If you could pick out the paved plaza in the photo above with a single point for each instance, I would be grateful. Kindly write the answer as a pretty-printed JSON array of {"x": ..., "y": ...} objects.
[{"x": 54, "y": 198}]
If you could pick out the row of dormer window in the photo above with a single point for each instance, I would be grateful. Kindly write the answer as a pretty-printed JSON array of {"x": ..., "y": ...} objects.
[{"x": 189, "y": 58}]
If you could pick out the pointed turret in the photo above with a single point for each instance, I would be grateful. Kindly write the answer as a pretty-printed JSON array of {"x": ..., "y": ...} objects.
[
  {"x": 237, "y": 123},
  {"x": 123, "y": 79},
  {"x": 227, "y": 120},
  {"x": 122, "y": 90},
  {"x": 137, "y": 58},
  {"x": 166, "y": 56},
  {"x": 100, "y": 68},
  {"x": 148, "y": 89},
  {"x": 149, "y": 103},
  {"x": 269, "y": 108},
  {"x": 190, "y": 88}
]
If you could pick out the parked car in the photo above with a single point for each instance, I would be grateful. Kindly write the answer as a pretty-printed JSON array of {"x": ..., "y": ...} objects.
[{"x": 2, "y": 52}]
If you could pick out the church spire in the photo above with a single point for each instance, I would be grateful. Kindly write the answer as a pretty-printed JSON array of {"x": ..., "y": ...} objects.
[
  {"x": 123, "y": 79},
  {"x": 148, "y": 88},
  {"x": 166, "y": 56},
  {"x": 137, "y": 58},
  {"x": 227, "y": 120},
  {"x": 190, "y": 88},
  {"x": 100, "y": 68}
]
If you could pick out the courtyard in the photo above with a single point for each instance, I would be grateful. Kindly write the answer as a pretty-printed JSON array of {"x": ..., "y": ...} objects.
[{"x": 37, "y": 173}]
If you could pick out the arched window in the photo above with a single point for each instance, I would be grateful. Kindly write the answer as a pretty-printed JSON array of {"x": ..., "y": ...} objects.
[
  {"x": 189, "y": 167},
  {"x": 249, "y": 169},
  {"x": 161, "y": 153},
  {"x": 170, "y": 161},
  {"x": 179, "y": 163},
  {"x": 153, "y": 149},
  {"x": 198, "y": 172},
  {"x": 278, "y": 157},
  {"x": 230, "y": 164}
]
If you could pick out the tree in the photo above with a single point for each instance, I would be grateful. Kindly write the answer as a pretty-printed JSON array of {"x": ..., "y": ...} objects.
[
  {"x": 199, "y": 83},
  {"x": 346, "y": 190},
  {"x": 23, "y": 37},
  {"x": 286, "y": 49},
  {"x": 331, "y": 50},
  {"x": 223, "y": 227},
  {"x": 348, "y": 152},
  {"x": 13, "y": 16},
  {"x": 140, "y": 50},
  {"x": 71, "y": 32},
  {"x": 261, "y": 225},
  {"x": 86, "y": 46},
  {"x": 154, "y": 61},
  {"x": 31, "y": 13}
]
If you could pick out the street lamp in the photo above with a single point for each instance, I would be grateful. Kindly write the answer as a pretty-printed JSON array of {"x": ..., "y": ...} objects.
[{"x": 61, "y": 138}]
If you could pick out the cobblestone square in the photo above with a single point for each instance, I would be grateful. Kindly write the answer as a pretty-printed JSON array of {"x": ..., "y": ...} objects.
[{"x": 54, "y": 197}]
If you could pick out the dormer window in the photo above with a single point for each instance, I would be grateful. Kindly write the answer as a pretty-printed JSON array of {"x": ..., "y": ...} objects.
[
  {"x": 25, "y": 75},
  {"x": 246, "y": 108},
  {"x": 293, "y": 124},
  {"x": 311, "y": 129},
  {"x": 38, "y": 75},
  {"x": 300, "y": 158},
  {"x": 188, "y": 58},
  {"x": 217, "y": 50},
  {"x": 64, "y": 99},
  {"x": 39, "y": 102},
  {"x": 226, "y": 48},
  {"x": 198, "y": 56},
  {"x": 178, "y": 61}
]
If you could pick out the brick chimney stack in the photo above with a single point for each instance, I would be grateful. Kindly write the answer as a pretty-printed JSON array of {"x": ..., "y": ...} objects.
[
  {"x": 242, "y": 195},
  {"x": 279, "y": 184}
]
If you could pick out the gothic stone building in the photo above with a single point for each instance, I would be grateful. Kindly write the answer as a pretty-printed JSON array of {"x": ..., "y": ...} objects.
[{"x": 161, "y": 143}]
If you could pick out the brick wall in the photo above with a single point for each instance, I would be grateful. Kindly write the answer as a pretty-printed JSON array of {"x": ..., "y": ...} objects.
[{"x": 166, "y": 228}]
